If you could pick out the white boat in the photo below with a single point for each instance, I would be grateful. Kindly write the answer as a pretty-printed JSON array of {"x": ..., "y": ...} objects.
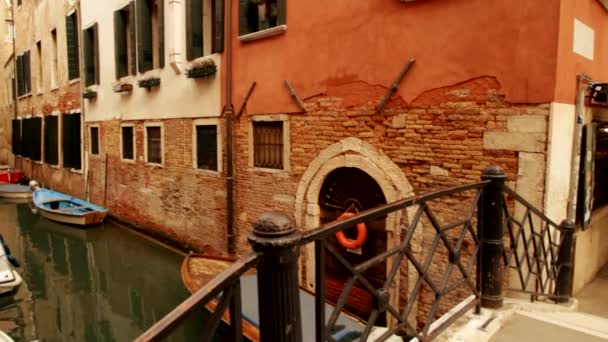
[
  {"x": 4, "y": 337},
  {"x": 9, "y": 278}
]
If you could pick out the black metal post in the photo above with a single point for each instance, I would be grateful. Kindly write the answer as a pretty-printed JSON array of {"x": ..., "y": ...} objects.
[
  {"x": 276, "y": 238},
  {"x": 491, "y": 227},
  {"x": 564, "y": 262}
]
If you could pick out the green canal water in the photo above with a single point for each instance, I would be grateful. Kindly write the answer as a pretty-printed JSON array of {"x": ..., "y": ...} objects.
[{"x": 101, "y": 284}]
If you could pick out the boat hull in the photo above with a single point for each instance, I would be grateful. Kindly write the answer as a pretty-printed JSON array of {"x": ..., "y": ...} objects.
[
  {"x": 12, "y": 176},
  {"x": 89, "y": 219},
  {"x": 62, "y": 208},
  {"x": 13, "y": 191}
]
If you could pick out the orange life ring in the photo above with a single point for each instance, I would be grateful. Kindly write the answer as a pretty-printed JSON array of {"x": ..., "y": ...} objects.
[{"x": 361, "y": 234}]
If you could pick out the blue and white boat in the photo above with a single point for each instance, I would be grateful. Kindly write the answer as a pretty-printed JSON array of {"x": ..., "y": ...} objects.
[{"x": 67, "y": 209}]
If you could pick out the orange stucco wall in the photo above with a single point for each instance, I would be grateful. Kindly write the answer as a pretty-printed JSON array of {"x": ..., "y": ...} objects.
[
  {"x": 570, "y": 64},
  {"x": 370, "y": 41}
]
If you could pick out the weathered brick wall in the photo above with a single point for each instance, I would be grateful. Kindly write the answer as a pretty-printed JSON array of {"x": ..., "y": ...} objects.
[
  {"x": 175, "y": 201},
  {"x": 437, "y": 141}
]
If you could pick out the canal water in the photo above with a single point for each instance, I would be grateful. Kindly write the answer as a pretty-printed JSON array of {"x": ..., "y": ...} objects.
[{"x": 100, "y": 284}]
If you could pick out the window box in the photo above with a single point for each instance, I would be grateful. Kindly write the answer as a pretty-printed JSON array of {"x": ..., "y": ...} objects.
[
  {"x": 149, "y": 82},
  {"x": 201, "y": 69},
  {"x": 122, "y": 87},
  {"x": 89, "y": 94}
]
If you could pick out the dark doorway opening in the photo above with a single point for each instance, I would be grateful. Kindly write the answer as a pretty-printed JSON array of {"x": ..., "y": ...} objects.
[{"x": 350, "y": 189}]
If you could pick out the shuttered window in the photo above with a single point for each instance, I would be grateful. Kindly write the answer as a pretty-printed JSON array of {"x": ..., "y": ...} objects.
[
  {"x": 31, "y": 136},
  {"x": 257, "y": 15},
  {"x": 150, "y": 34},
  {"x": 268, "y": 144},
  {"x": 51, "y": 142},
  {"x": 71, "y": 32},
  {"x": 16, "y": 137},
  {"x": 206, "y": 147},
  {"x": 124, "y": 39},
  {"x": 218, "y": 26},
  {"x": 71, "y": 141},
  {"x": 91, "y": 55},
  {"x": 195, "y": 25},
  {"x": 94, "y": 140},
  {"x": 127, "y": 150},
  {"x": 24, "y": 79},
  {"x": 154, "y": 145}
]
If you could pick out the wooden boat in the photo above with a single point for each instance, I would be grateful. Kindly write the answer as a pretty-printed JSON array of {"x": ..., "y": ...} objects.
[
  {"x": 10, "y": 175},
  {"x": 198, "y": 269},
  {"x": 15, "y": 191},
  {"x": 67, "y": 209}
]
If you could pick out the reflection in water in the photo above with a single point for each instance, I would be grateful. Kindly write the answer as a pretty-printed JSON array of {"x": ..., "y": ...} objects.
[{"x": 99, "y": 284}]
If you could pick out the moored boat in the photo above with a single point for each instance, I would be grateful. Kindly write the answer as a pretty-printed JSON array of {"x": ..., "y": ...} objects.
[
  {"x": 67, "y": 209},
  {"x": 198, "y": 269},
  {"x": 10, "y": 175},
  {"x": 9, "y": 278},
  {"x": 15, "y": 191}
]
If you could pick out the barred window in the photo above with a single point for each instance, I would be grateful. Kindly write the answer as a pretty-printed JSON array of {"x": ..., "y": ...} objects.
[
  {"x": 268, "y": 144},
  {"x": 94, "y": 140},
  {"x": 206, "y": 147},
  {"x": 154, "y": 142},
  {"x": 127, "y": 143}
]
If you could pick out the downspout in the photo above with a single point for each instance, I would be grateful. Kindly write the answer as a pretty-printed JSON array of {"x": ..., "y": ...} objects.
[
  {"x": 229, "y": 136},
  {"x": 14, "y": 90},
  {"x": 579, "y": 117}
]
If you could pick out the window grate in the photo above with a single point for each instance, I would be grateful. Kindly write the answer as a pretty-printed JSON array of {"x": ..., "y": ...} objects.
[
  {"x": 127, "y": 143},
  {"x": 206, "y": 147},
  {"x": 268, "y": 144},
  {"x": 154, "y": 145}
]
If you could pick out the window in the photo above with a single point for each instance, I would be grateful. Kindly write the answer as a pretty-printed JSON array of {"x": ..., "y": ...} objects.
[
  {"x": 39, "y": 56},
  {"x": 127, "y": 143},
  {"x": 206, "y": 147},
  {"x": 31, "y": 135},
  {"x": 94, "y": 140},
  {"x": 124, "y": 41},
  {"x": 150, "y": 34},
  {"x": 71, "y": 141},
  {"x": 16, "y": 137},
  {"x": 204, "y": 30},
  {"x": 71, "y": 37},
  {"x": 258, "y": 15},
  {"x": 51, "y": 141},
  {"x": 91, "y": 55},
  {"x": 154, "y": 145},
  {"x": 268, "y": 144},
  {"x": 10, "y": 35},
  {"x": 54, "y": 65},
  {"x": 24, "y": 80}
]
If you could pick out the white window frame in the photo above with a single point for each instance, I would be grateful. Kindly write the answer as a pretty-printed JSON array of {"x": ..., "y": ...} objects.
[
  {"x": 162, "y": 143},
  {"x": 207, "y": 122},
  {"x": 134, "y": 143},
  {"x": 286, "y": 142}
]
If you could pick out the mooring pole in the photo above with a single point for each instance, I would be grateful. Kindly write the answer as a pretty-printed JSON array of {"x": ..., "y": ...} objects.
[
  {"x": 491, "y": 229},
  {"x": 564, "y": 262},
  {"x": 276, "y": 238}
]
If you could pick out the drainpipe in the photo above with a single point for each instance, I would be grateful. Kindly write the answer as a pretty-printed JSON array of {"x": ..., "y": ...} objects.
[
  {"x": 582, "y": 81},
  {"x": 229, "y": 136},
  {"x": 14, "y": 90}
]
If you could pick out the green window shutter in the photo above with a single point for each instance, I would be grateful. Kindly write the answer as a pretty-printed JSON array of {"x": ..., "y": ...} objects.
[
  {"x": 145, "y": 51},
  {"x": 248, "y": 17},
  {"x": 28, "y": 73},
  {"x": 37, "y": 138},
  {"x": 89, "y": 56},
  {"x": 218, "y": 26},
  {"x": 161, "y": 33},
  {"x": 96, "y": 52},
  {"x": 26, "y": 142},
  {"x": 132, "y": 37},
  {"x": 121, "y": 56},
  {"x": 19, "y": 77},
  {"x": 282, "y": 12},
  {"x": 71, "y": 29},
  {"x": 76, "y": 145},
  {"x": 50, "y": 139},
  {"x": 194, "y": 22},
  {"x": 66, "y": 139},
  {"x": 16, "y": 136},
  {"x": 71, "y": 141}
]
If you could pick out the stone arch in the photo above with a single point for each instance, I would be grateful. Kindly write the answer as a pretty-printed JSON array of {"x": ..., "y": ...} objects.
[{"x": 350, "y": 152}]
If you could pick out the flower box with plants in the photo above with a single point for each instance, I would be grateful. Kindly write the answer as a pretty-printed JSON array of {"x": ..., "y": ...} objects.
[
  {"x": 89, "y": 94},
  {"x": 201, "y": 69},
  {"x": 122, "y": 87},
  {"x": 149, "y": 82}
]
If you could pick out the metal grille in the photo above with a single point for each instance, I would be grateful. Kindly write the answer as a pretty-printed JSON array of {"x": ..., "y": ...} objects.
[
  {"x": 127, "y": 143},
  {"x": 206, "y": 147},
  {"x": 268, "y": 144},
  {"x": 534, "y": 243},
  {"x": 154, "y": 145}
]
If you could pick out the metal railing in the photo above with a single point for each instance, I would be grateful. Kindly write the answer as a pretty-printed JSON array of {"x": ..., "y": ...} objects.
[{"x": 477, "y": 265}]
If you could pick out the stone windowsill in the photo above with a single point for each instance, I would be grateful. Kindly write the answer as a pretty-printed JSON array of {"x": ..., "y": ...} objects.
[
  {"x": 128, "y": 161},
  {"x": 210, "y": 173},
  {"x": 268, "y": 170},
  {"x": 155, "y": 165},
  {"x": 273, "y": 31},
  {"x": 76, "y": 80},
  {"x": 78, "y": 171},
  {"x": 54, "y": 166}
]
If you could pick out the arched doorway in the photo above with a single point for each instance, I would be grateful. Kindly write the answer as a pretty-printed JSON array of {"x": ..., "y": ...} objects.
[{"x": 349, "y": 189}]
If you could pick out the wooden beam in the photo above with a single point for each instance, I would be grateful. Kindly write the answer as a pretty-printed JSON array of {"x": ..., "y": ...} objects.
[
  {"x": 393, "y": 89},
  {"x": 295, "y": 96}
]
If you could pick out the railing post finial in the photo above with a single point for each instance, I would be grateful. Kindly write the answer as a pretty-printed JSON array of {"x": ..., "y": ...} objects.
[
  {"x": 564, "y": 262},
  {"x": 276, "y": 238},
  {"x": 491, "y": 231}
]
